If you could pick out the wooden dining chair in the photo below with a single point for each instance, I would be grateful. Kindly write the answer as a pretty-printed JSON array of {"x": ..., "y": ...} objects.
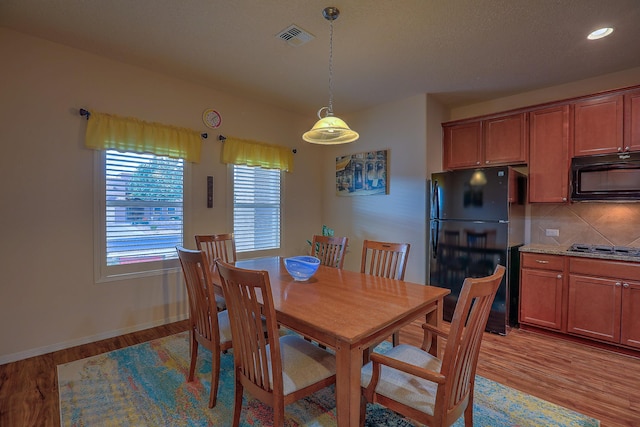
[
  {"x": 386, "y": 260},
  {"x": 329, "y": 249},
  {"x": 207, "y": 326},
  {"x": 278, "y": 370},
  {"x": 430, "y": 390},
  {"x": 217, "y": 246}
]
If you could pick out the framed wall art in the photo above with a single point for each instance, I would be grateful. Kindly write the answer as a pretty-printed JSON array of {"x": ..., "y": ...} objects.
[{"x": 362, "y": 174}]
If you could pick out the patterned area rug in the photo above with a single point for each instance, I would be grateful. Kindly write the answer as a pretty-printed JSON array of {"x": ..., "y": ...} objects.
[{"x": 144, "y": 385}]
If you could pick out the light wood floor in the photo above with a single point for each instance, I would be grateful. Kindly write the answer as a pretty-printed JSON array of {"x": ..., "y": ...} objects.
[{"x": 595, "y": 382}]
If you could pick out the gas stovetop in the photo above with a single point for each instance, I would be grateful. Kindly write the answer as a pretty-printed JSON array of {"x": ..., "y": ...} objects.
[{"x": 605, "y": 250}]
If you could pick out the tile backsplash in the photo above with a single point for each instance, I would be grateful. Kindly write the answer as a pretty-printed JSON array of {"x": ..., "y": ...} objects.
[{"x": 616, "y": 224}]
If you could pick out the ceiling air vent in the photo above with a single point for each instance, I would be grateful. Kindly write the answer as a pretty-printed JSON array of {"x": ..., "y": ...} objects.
[{"x": 294, "y": 35}]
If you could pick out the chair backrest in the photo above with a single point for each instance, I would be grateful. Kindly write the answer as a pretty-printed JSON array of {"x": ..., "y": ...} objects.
[
  {"x": 384, "y": 259},
  {"x": 330, "y": 250},
  {"x": 200, "y": 290},
  {"x": 249, "y": 301},
  {"x": 463, "y": 343},
  {"x": 221, "y": 246}
]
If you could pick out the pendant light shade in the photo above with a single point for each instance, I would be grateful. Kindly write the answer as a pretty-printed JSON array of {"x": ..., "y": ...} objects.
[{"x": 330, "y": 129}]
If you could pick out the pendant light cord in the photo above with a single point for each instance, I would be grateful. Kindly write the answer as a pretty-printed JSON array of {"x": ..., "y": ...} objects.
[{"x": 330, "y": 112}]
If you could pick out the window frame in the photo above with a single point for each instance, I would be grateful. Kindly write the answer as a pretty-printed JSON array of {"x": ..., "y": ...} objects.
[
  {"x": 104, "y": 273},
  {"x": 230, "y": 216}
]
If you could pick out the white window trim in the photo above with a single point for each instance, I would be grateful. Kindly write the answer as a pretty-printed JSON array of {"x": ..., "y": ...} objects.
[
  {"x": 259, "y": 253},
  {"x": 103, "y": 273}
]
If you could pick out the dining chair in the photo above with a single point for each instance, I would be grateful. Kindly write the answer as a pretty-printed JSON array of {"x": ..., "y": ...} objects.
[
  {"x": 207, "y": 326},
  {"x": 430, "y": 390},
  {"x": 217, "y": 246},
  {"x": 386, "y": 260},
  {"x": 329, "y": 249},
  {"x": 275, "y": 369}
]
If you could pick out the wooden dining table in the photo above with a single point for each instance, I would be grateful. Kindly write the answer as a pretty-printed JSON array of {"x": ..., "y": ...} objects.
[{"x": 349, "y": 312}]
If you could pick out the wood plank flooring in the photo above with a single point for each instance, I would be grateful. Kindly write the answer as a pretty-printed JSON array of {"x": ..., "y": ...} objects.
[{"x": 593, "y": 381}]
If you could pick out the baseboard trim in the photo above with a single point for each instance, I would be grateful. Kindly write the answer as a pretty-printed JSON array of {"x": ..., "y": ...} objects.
[{"x": 14, "y": 357}]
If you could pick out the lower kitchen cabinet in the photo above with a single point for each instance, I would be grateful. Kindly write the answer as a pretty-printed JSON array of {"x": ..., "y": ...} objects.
[
  {"x": 541, "y": 290},
  {"x": 594, "y": 307},
  {"x": 604, "y": 301},
  {"x": 630, "y": 331}
]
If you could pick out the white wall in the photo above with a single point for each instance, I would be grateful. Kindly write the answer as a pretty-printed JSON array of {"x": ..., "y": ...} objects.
[
  {"x": 48, "y": 298},
  {"x": 399, "y": 216},
  {"x": 590, "y": 86}
]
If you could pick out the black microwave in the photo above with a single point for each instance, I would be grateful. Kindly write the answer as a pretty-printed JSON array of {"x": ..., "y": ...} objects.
[{"x": 606, "y": 177}]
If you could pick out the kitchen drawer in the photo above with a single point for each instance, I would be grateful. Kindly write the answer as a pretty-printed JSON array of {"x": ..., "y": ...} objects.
[
  {"x": 601, "y": 268},
  {"x": 542, "y": 261}
]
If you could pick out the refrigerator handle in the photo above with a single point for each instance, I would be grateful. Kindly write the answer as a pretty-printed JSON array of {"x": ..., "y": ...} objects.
[
  {"x": 435, "y": 233},
  {"x": 435, "y": 200}
]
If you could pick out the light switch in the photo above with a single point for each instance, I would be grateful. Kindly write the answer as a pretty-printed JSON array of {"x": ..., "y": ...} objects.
[{"x": 552, "y": 232}]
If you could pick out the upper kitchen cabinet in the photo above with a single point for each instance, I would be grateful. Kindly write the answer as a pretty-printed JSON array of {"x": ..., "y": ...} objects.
[
  {"x": 505, "y": 140},
  {"x": 496, "y": 141},
  {"x": 549, "y": 155},
  {"x": 632, "y": 120},
  {"x": 598, "y": 125},
  {"x": 462, "y": 145}
]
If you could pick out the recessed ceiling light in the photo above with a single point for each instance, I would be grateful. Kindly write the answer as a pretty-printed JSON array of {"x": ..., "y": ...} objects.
[{"x": 600, "y": 33}]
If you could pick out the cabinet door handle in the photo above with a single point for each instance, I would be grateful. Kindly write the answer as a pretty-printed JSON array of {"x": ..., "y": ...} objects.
[
  {"x": 542, "y": 261},
  {"x": 625, "y": 285},
  {"x": 559, "y": 276},
  {"x": 626, "y": 148},
  {"x": 618, "y": 284}
]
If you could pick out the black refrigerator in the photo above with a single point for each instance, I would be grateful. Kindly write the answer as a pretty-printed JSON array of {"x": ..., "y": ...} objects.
[{"x": 477, "y": 220}]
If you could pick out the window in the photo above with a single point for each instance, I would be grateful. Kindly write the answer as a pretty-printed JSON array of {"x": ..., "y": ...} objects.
[
  {"x": 142, "y": 214},
  {"x": 256, "y": 208}
]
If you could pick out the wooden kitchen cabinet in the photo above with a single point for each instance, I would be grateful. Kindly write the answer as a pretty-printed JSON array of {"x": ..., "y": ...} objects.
[
  {"x": 462, "y": 145},
  {"x": 632, "y": 120},
  {"x": 541, "y": 290},
  {"x": 496, "y": 141},
  {"x": 505, "y": 140},
  {"x": 604, "y": 300},
  {"x": 549, "y": 155},
  {"x": 630, "y": 330},
  {"x": 598, "y": 125}
]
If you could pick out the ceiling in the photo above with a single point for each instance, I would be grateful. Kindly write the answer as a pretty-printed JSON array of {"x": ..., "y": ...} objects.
[{"x": 462, "y": 51}]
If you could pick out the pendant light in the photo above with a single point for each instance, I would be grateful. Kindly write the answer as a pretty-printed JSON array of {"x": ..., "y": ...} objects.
[{"x": 330, "y": 129}]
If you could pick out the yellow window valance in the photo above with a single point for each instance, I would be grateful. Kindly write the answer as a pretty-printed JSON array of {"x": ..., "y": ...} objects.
[
  {"x": 252, "y": 153},
  {"x": 110, "y": 132}
]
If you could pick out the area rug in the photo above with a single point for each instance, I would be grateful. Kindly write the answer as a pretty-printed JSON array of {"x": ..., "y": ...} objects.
[{"x": 144, "y": 385}]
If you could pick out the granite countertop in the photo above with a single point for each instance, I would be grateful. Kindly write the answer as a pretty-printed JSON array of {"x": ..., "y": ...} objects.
[{"x": 562, "y": 250}]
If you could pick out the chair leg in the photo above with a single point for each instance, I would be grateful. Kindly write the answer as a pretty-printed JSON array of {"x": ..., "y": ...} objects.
[
  {"x": 395, "y": 338},
  {"x": 237, "y": 403},
  {"x": 468, "y": 414},
  {"x": 363, "y": 410},
  {"x": 194, "y": 359},
  {"x": 278, "y": 414},
  {"x": 215, "y": 378}
]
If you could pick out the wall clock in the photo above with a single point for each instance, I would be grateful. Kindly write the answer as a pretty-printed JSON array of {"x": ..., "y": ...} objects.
[{"x": 211, "y": 118}]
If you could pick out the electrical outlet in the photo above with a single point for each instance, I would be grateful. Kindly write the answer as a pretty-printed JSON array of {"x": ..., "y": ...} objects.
[{"x": 552, "y": 232}]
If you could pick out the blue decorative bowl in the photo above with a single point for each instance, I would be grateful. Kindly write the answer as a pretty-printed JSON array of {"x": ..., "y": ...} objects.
[{"x": 301, "y": 268}]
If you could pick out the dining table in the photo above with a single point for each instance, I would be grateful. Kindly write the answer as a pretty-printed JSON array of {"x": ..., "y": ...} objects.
[{"x": 348, "y": 312}]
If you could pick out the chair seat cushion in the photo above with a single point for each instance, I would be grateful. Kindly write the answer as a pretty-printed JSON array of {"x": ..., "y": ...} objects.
[
  {"x": 412, "y": 391},
  {"x": 303, "y": 363},
  {"x": 224, "y": 325},
  {"x": 221, "y": 304}
]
